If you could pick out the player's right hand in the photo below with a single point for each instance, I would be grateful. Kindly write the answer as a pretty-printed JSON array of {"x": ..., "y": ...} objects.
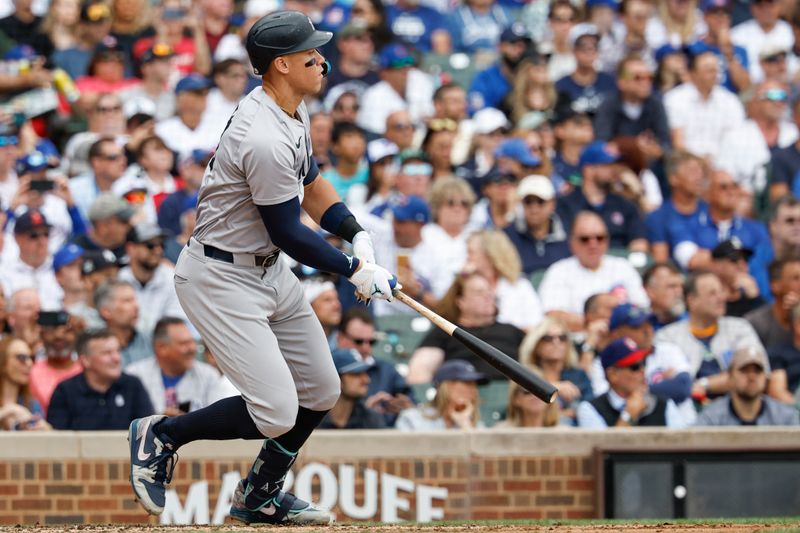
[{"x": 373, "y": 281}]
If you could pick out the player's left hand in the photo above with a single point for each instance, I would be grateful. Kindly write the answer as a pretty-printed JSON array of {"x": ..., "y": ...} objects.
[
  {"x": 362, "y": 247},
  {"x": 373, "y": 281}
]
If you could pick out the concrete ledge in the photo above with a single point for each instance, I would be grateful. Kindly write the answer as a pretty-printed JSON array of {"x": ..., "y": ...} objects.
[{"x": 386, "y": 444}]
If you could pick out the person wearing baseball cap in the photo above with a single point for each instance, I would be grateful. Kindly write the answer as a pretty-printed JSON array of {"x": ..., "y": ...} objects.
[
  {"x": 747, "y": 403},
  {"x": 110, "y": 222},
  {"x": 321, "y": 293},
  {"x": 628, "y": 402},
  {"x": 350, "y": 411},
  {"x": 515, "y": 157},
  {"x": 191, "y": 127},
  {"x": 538, "y": 233},
  {"x": 729, "y": 260},
  {"x": 586, "y": 87},
  {"x": 734, "y": 62},
  {"x": 598, "y": 167}
]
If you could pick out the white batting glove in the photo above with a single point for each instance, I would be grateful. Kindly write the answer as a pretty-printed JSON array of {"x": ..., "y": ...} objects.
[
  {"x": 362, "y": 247},
  {"x": 373, "y": 281}
]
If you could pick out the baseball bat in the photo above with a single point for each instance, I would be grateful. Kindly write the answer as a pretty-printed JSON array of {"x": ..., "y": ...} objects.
[{"x": 510, "y": 368}]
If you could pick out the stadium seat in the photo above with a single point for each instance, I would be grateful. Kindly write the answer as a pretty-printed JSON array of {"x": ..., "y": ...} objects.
[
  {"x": 399, "y": 335},
  {"x": 494, "y": 399}
]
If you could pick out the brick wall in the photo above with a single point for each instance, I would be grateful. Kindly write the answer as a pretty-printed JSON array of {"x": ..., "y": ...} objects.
[{"x": 82, "y": 478}]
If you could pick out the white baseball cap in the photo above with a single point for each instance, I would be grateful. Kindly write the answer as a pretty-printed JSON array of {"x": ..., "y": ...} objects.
[
  {"x": 488, "y": 120},
  {"x": 313, "y": 288},
  {"x": 380, "y": 148},
  {"x": 536, "y": 185},
  {"x": 581, "y": 30}
]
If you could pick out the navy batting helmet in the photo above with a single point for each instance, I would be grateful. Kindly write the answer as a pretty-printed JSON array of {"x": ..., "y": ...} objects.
[{"x": 281, "y": 33}]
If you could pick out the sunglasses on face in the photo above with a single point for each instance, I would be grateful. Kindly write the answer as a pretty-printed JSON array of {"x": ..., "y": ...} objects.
[
  {"x": 401, "y": 63},
  {"x": 774, "y": 95},
  {"x": 635, "y": 367},
  {"x": 152, "y": 245},
  {"x": 418, "y": 169},
  {"x": 109, "y": 109},
  {"x": 340, "y": 107},
  {"x": 777, "y": 58},
  {"x": 586, "y": 239},
  {"x": 562, "y": 337},
  {"x": 402, "y": 126},
  {"x": 34, "y": 235},
  {"x": 363, "y": 342},
  {"x": 641, "y": 76},
  {"x": 109, "y": 157},
  {"x": 533, "y": 200},
  {"x": 452, "y": 202},
  {"x": 8, "y": 140},
  {"x": 443, "y": 124},
  {"x": 24, "y": 358}
]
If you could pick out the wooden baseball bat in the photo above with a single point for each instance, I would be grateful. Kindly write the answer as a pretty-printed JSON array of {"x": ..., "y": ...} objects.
[{"x": 510, "y": 368}]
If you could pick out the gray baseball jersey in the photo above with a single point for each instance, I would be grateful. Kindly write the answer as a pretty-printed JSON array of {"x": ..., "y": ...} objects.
[{"x": 262, "y": 159}]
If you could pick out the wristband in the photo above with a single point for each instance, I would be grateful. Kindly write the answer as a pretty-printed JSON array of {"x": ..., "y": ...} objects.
[
  {"x": 625, "y": 416},
  {"x": 338, "y": 220}
]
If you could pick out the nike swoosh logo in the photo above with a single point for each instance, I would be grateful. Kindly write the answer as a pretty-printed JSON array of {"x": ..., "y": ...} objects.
[
  {"x": 297, "y": 144},
  {"x": 268, "y": 510},
  {"x": 142, "y": 433}
]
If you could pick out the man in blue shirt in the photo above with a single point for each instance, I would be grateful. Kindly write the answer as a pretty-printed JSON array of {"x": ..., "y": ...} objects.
[
  {"x": 733, "y": 59},
  {"x": 598, "y": 166},
  {"x": 477, "y": 25},
  {"x": 586, "y": 87},
  {"x": 419, "y": 27},
  {"x": 101, "y": 397},
  {"x": 491, "y": 86},
  {"x": 687, "y": 178}
]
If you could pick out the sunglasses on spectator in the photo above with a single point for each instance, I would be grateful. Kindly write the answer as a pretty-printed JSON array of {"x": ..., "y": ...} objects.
[
  {"x": 777, "y": 58},
  {"x": 402, "y": 126},
  {"x": 586, "y": 239},
  {"x": 418, "y": 169},
  {"x": 109, "y": 109},
  {"x": 533, "y": 200},
  {"x": 362, "y": 342},
  {"x": 152, "y": 245},
  {"x": 109, "y": 157},
  {"x": 340, "y": 107},
  {"x": 24, "y": 358},
  {"x": 774, "y": 95},
  {"x": 452, "y": 202},
  {"x": 442, "y": 124},
  {"x": 635, "y": 367},
  {"x": 38, "y": 235},
  {"x": 8, "y": 140},
  {"x": 562, "y": 337},
  {"x": 503, "y": 178},
  {"x": 641, "y": 76}
]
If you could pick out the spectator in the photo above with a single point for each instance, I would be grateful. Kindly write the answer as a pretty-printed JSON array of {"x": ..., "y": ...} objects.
[
  {"x": 603, "y": 14},
  {"x": 539, "y": 234},
  {"x": 490, "y": 87},
  {"x": 573, "y": 132},
  {"x": 353, "y": 69},
  {"x": 68, "y": 268},
  {"x": 320, "y": 132},
  {"x": 383, "y": 167},
  {"x": 351, "y": 411},
  {"x": 784, "y": 230},
  {"x": 729, "y": 262},
  {"x": 110, "y": 217},
  {"x": 495, "y": 210},
  {"x": 676, "y": 22},
  {"x": 174, "y": 245},
  {"x": 105, "y": 119},
  {"x": 765, "y": 28},
  {"x": 569, "y": 282},
  {"x": 230, "y": 81},
  {"x": 33, "y": 267},
  {"x": 772, "y": 321},
  {"x": 190, "y": 128},
  {"x": 191, "y": 175},
  {"x": 22, "y": 27},
  {"x": 156, "y": 70},
  {"x": 19, "y": 410},
  {"x": 561, "y": 19},
  {"x": 150, "y": 277},
  {"x": 733, "y": 58},
  {"x": 400, "y": 130},
  {"x": 525, "y": 410},
  {"x": 627, "y": 402},
  {"x": 401, "y": 87},
  {"x": 130, "y": 20},
  {"x": 663, "y": 283},
  {"x": 470, "y": 303},
  {"x": 59, "y": 332},
  {"x": 784, "y": 359},
  {"x": 595, "y": 335},
  {"x": 388, "y": 392},
  {"x": 373, "y": 13},
  {"x": 747, "y": 149},
  {"x": 23, "y": 310},
  {"x": 456, "y": 404},
  {"x": 477, "y": 26},
  {"x": 175, "y": 382},
  {"x": 786, "y": 165},
  {"x": 667, "y": 371},
  {"x": 107, "y": 163},
  {"x": 491, "y": 254},
  {"x": 349, "y": 146},
  {"x": 635, "y": 14},
  {"x": 101, "y": 397},
  {"x": 700, "y": 111},
  {"x": 490, "y": 127},
  {"x": 706, "y": 336},
  {"x": 673, "y": 68},
  {"x": 418, "y": 26},
  {"x": 215, "y": 21},
  {"x": 534, "y": 95},
  {"x": 547, "y": 347},
  {"x": 747, "y": 404},
  {"x": 585, "y": 88},
  {"x": 440, "y": 135},
  {"x": 93, "y": 26},
  {"x": 60, "y": 24},
  {"x": 634, "y": 111},
  {"x": 117, "y": 305},
  {"x": 344, "y": 105},
  {"x": 324, "y": 300},
  {"x": 105, "y": 74},
  {"x": 774, "y": 64},
  {"x": 99, "y": 267},
  {"x": 450, "y": 102},
  {"x": 687, "y": 177},
  {"x": 514, "y": 156},
  {"x": 620, "y": 216},
  {"x": 452, "y": 200}
]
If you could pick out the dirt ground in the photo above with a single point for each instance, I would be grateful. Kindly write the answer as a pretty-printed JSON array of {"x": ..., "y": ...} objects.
[{"x": 407, "y": 528}]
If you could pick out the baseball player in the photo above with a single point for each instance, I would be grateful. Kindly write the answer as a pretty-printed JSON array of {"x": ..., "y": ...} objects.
[{"x": 244, "y": 301}]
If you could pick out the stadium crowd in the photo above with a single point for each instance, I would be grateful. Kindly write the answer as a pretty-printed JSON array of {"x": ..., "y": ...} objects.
[{"x": 608, "y": 191}]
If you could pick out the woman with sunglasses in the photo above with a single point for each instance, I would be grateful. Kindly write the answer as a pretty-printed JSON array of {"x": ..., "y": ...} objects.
[
  {"x": 547, "y": 347},
  {"x": 526, "y": 410},
  {"x": 438, "y": 145},
  {"x": 18, "y": 409}
]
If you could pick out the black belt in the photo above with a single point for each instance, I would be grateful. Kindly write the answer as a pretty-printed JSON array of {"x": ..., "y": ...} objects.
[{"x": 221, "y": 255}]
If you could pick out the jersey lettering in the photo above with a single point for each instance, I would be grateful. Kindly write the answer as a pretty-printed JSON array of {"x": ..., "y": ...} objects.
[{"x": 213, "y": 157}]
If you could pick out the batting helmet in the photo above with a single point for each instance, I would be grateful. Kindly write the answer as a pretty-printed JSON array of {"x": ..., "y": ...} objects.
[{"x": 281, "y": 33}]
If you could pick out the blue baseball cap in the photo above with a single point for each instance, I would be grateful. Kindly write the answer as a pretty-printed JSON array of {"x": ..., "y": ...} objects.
[
  {"x": 66, "y": 255},
  {"x": 458, "y": 370},
  {"x": 31, "y": 162},
  {"x": 192, "y": 82},
  {"x": 621, "y": 353},
  {"x": 667, "y": 50},
  {"x": 613, "y": 4},
  {"x": 627, "y": 315},
  {"x": 49, "y": 151},
  {"x": 514, "y": 34},
  {"x": 395, "y": 56},
  {"x": 709, "y": 5},
  {"x": 411, "y": 208},
  {"x": 518, "y": 150},
  {"x": 348, "y": 361},
  {"x": 20, "y": 52},
  {"x": 598, "y": 153}
]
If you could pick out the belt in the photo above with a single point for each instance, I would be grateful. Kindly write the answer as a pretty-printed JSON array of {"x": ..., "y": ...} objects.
[{"x": 241, "y": 259}]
